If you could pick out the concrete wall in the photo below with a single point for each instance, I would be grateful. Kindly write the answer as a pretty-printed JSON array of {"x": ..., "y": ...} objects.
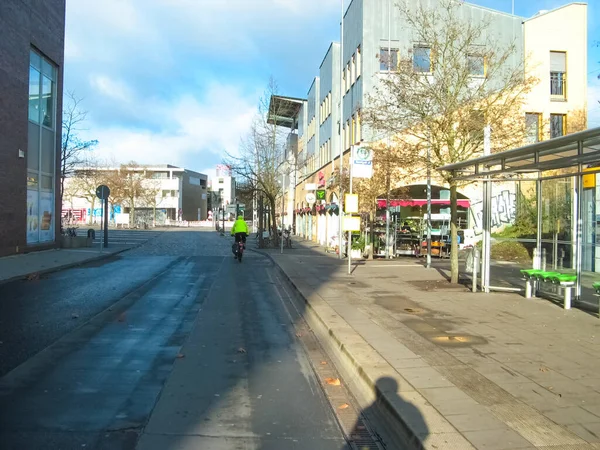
[
  {"x": 194, "y": 196},
  {"x": 24, "y": 24}
]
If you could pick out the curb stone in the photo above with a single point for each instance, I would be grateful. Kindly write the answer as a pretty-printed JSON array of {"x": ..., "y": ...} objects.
[{"x": 400, "y": 430}]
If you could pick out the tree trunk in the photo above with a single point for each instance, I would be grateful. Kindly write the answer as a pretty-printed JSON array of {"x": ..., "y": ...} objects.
[
  {"x": 132, "y": 212},
  {"x": 274, "y": 222},
  {"x": 93, "y": 204},
  {"x": 372, "y": 233},
  {"x": 453, "y": 234},
  {"x": 261, "y": 220}
]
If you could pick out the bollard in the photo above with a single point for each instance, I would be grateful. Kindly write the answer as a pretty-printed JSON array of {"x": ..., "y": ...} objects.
[
  {"x": 561, "y": 259},
  {"x": 544, "y": 259},
  {"x": 475, "y": 267}
]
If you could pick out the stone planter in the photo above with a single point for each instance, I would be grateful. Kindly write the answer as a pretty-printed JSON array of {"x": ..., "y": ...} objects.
[{"x": 76, "y": 242}]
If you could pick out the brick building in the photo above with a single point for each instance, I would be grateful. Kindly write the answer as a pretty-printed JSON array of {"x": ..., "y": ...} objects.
[{"x": 31, "y": 74}]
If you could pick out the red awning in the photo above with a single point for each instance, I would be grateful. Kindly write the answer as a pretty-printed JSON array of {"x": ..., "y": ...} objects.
[{"x": 461, "y": 202}]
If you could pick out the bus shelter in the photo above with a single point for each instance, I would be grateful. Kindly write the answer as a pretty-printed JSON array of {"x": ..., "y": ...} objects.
[{"x": 540, "y": 218}]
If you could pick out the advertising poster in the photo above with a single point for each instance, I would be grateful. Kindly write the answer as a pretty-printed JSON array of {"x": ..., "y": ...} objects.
[
  {"x": 46, "y": 216},
  {"x": 33, "y": 226}
]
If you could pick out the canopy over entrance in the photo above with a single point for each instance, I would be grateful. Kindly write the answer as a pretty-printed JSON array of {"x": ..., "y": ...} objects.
[
  {"x": 572, "y": 151},
  {"x": 283, "y": 111}
]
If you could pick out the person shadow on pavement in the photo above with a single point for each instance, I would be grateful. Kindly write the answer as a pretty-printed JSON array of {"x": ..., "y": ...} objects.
[{"x": 381, "y": 413}]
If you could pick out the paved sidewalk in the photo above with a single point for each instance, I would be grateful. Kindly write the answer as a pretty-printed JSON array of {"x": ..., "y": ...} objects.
[
  {"x": 485, "y": 371},
  {"x": 21, "y": 266}
]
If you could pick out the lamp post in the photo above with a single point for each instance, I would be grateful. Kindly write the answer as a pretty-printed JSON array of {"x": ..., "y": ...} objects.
[
  {"x": 341, "y": 133},
  {"x": 428, "y": 207}
]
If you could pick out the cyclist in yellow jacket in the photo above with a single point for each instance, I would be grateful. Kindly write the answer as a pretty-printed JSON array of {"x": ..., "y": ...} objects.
[{"x": 240, "y": 230}]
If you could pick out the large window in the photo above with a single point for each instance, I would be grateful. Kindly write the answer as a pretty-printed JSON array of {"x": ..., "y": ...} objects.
[
  {"x": 476, "y": 65},
  {"x": 534, "y": 127},
  {"x": 558, "y": 125},
  {"x": 41, "y": 149},
  {"x": 388, "y": 59},
  {"x": 422, "y": 58},
  {"x": 558, "y": 75}
]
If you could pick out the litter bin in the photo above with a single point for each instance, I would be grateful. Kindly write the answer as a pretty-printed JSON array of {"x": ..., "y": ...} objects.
[{"x": 91, "y": 233}]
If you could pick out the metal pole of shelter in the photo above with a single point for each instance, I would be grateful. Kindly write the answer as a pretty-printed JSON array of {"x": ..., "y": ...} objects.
[
  {"x": 487, "y": 217},
  {"x": 487, "y": 224},
  {"x": 579, "y": 236},
  {"x": 342, "y": 89}
]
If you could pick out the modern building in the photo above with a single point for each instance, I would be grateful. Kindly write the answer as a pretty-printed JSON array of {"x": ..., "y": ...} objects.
[
  {"x": 31, "y": 79},
  {"x": 222, "y": 189},
  {"x": 375, "y": 35},
  {"x": 168, "y": 194}
]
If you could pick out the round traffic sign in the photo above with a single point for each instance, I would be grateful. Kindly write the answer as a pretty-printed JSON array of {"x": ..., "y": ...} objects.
[
  {"x": 102, "y": 192},
  {"x": 311, "y": 198}
]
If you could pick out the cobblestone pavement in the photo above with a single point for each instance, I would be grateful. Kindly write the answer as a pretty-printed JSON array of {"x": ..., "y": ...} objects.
[{"x": 185, "y": 242}]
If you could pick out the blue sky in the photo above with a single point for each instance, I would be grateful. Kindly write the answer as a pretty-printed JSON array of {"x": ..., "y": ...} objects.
[{"x": 178, "y": 81}]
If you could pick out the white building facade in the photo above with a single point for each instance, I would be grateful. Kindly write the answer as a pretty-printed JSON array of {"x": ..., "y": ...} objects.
[{"x": 375, "y": 32}]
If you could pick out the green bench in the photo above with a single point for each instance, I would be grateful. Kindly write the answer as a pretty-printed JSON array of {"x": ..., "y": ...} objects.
[{"x": 564, "y": 281}]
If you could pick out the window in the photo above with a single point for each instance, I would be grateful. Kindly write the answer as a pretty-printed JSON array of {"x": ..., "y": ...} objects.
[
  {"x": 353, "y": 69},
  {"x": 558, "y": 125},
  {"x": 358, "y": 62},
  {"x": 422, "y": 58},
  {"x": 476, "y": 65},
  {"x": 388, "y": 59},
  {"x": 476, "y": 124},
  {"x": 533, "y": 124},
  {"x": 348, "y": 136},
  {"x": 41, "y": 149},
  {"x": 358, "y": 127},
  {"x": 558, "y": 72},
  {"x": 348, "y": 81}
]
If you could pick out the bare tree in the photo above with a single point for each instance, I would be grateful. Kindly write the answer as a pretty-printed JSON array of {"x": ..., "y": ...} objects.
[
  {"x": 458, "y": 80},
  {"x": 127, "y": 186},
  {"x": 84, "y": 181},
  {"x": 73, "y": 148},
  {"x": 261, "y": 158},
  {"x": 149, "y": 196}
]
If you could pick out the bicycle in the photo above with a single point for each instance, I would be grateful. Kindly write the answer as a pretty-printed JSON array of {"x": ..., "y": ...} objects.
[{"x": 239, "y": 250}]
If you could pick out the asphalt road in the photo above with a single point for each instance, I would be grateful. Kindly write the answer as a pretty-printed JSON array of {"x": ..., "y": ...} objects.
[{"x": 173, "y": 345}]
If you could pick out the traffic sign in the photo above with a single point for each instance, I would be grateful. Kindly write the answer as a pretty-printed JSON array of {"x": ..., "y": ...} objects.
[
  {"x": 311, "y": 198},
  {"x": 102, "y": 192}
]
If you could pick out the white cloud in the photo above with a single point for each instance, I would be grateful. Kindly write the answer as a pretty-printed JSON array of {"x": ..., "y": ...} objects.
[
  {"x": 202, "y": 131},
  {"x": 114, "y": 89}
]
